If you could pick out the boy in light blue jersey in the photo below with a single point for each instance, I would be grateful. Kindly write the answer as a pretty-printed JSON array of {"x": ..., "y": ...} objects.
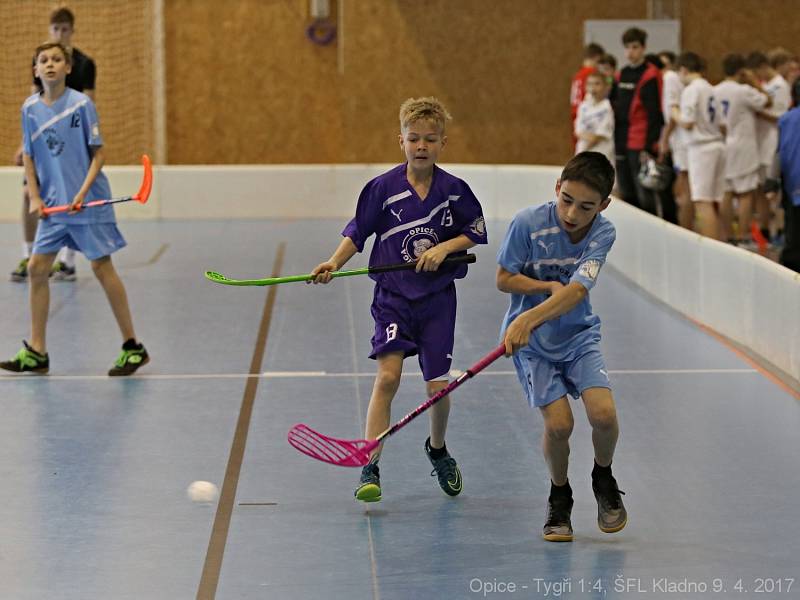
[
  {"x": 63, "y": 157},
  {"x": 549, "y": 260}
]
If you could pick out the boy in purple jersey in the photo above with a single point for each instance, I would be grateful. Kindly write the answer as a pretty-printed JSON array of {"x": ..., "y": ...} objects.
[
  {"x": 418, "y": 213},
  {"x": 549, "y": 260},
  {"x": 63, "y": 157}
]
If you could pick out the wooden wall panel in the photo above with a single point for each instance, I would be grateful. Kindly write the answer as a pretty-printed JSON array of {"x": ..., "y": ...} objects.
[
  {"x": 245, "y": 86},
  {"x": 118, "y": 36},
  {"x": 503, "y": 69},
  {"x": 718, "y": 27}
]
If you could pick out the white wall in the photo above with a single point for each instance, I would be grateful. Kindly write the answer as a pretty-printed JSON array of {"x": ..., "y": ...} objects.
[
  {"x": 744, "y": 296},
  {"x": 741, "y": 295},
  {"x": 285, "y": 191}
]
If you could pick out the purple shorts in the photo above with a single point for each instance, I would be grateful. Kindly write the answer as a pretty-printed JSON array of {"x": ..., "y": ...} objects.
[{"x": 425, "y": 327}]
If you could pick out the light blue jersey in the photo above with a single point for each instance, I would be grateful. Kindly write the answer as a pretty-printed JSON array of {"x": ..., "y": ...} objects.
[
  {"x": 537, "y": 246},
  {"x": 59, "y": 138}
]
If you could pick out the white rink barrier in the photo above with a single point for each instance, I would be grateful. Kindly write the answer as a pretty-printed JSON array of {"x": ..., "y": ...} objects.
[
  {"x": 739, "y": 294},
  {"x": 286, "y": 191},
  {"x": 745, "y": 297}
]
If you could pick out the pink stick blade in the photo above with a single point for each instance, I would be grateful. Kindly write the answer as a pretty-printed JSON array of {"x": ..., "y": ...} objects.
[
  {"x": 355, "y": 453},
  {"x": 343, "y": 453}
]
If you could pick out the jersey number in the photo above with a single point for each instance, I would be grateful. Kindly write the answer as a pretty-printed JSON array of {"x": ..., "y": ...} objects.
[
  {"x": 391, "y": 332},
  {"x": 447, "y": 218},
  {"x": 75, "y": 121},
  {"x": 712, "y": 112},
  {"x": 726, "y": 104}
]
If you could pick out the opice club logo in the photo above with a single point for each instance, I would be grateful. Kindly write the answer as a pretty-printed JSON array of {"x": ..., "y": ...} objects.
[
  {"x": 54, "y": 143},
  {"x": 478, "y": 227},
  {"x": 417, "y": 241}
]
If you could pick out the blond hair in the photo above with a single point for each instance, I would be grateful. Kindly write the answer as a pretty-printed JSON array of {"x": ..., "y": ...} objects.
[
  {"x": 778, "y": 57},
  {"x": 423, "y": 109}
]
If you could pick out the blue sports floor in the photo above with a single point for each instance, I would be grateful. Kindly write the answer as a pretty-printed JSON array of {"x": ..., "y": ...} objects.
[{"x": 94, "y": 470}]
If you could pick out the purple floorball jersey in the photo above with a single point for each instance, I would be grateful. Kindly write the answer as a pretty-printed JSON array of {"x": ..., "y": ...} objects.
[
  {"x": 405, "y": 226},
  {"x": 415, "y": 312}
]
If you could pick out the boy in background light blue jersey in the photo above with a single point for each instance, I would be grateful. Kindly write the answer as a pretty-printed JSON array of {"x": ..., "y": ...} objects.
[
  {"x": 549, "y": 260},
  {"x": 63, "y": 157}
]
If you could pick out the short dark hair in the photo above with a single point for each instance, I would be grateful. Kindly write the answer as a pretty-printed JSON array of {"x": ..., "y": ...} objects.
[
  {"x": 732, "y": 64},
  {"x": 692, "y": 62},
  {"x": 47, "y": 46},
  {"x": 654, "y": 60},
  {"x": 607, "y": 59},
  {"x": 593, "y": 50},
  {"x": 62, "y": 15},
  {"x": 634, "y": 34},
  {"x": 669, "y": 54},
  {"x": 757, "y": 59},
  {"x": 593, "y": 170}
]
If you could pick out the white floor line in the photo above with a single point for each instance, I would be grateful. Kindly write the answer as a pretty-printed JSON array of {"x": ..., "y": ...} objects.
[{"x": 302, "y": 374}]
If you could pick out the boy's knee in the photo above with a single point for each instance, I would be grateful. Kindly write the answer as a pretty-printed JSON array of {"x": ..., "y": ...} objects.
[
  {"x": 559, "y": 430},
  {"x": 100, "y": 266},
  {"x": 434, "y": 387},
  {"x": 38, "y": 268},
  {"x": 388, "y": 381},
  {"x": 603, "y": 418}
]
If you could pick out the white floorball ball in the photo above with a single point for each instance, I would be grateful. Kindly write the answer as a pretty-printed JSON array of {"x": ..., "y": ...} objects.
[{"x": 202, "y": 491}]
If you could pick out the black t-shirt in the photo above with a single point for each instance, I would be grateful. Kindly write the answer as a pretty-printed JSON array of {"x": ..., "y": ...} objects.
[{"x": 82, "y": 75}]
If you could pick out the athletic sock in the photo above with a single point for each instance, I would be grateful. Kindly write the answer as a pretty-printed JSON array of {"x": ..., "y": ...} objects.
[
  {"x": 68, "y": 258},
  {"x": 27, "y": 248},
  {"x": 599, "y": 471},
  {"x": 131, "y": 344},
  {"x": 560, "y": 490},
  {"x": 436, "y": 453}
]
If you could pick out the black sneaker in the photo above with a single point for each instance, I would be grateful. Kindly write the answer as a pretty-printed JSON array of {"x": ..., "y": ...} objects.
[
  {"x": 61, "y": 272},
  {"x": 558, "y": 527},
  {"x": 369, "y": 486},
  {"x": 130, "y": 359},
  {"x": 20, "y": 274},
  {"x": 611, "y": 513},
  {"x": 446, "y": 470},
  {"x": 27, "y": 360}
]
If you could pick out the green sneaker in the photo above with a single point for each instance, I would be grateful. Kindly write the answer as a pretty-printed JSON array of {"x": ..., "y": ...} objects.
[
  {"x": 27, "y": 360},
  {"x": 20, "y": 274},
  {"x": 369, "y": 486},
  {"x": 61, "y": 272},
  {"x": 446, "y": 471},
  {"x": 132, "y": 357}
]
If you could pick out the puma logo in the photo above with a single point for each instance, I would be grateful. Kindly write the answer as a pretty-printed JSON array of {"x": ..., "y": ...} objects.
[
  {"x": 396, "y": 214},
  {"x": 546, "y": 247},
  {"x": 603, "y": 372}
]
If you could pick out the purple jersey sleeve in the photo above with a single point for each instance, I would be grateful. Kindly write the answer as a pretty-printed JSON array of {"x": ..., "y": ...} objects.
[
  {"x": 467, "y": 211},
  {"x": 365, "y": 223}
]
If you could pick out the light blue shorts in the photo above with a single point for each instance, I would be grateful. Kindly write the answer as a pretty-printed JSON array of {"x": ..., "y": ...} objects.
[
  {"x": 545, "y": 381},
  {"x": 93, "y": 241}
]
